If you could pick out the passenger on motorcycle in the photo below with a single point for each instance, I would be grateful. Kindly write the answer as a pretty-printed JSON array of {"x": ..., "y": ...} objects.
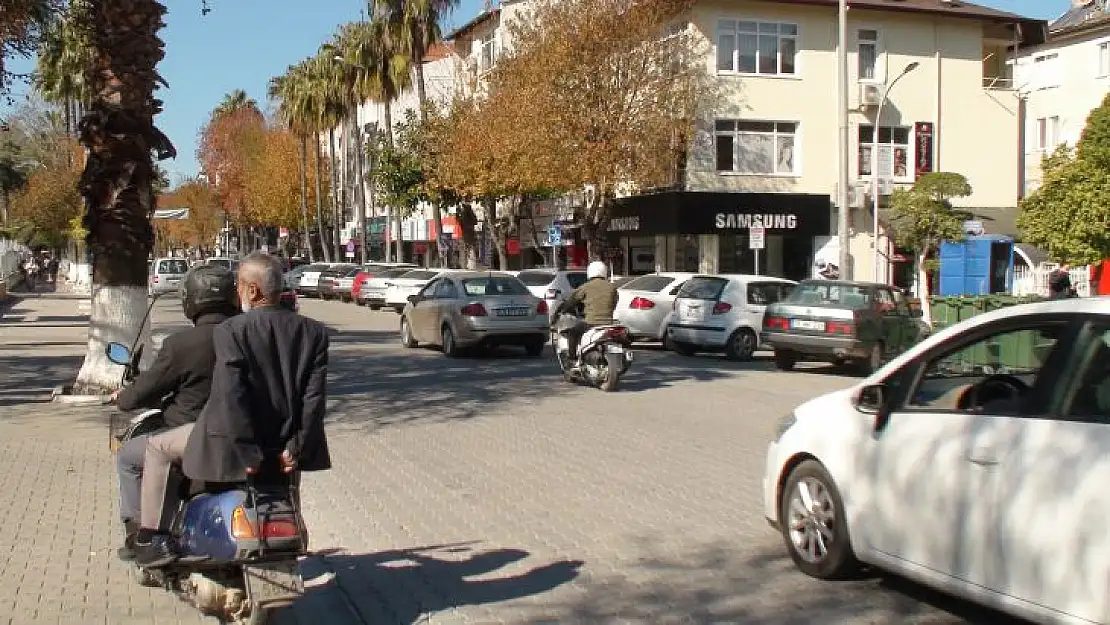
[
  {"x": 598, "y": 296},
  {"x": 178, "y": 381}
]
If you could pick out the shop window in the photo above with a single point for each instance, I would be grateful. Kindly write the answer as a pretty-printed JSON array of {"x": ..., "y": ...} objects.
[
  {"x": 756, "y": 147},
  {"x": 735, "y": 255},
  {"x": 687, "y": 253},
  {"x": 762, "y": 48},
  {"x": 894, "y": 150}
]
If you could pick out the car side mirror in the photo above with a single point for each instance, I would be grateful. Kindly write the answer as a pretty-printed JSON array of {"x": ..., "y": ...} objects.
[
  {"x": 871, "y": 399},
  {"x": 414, "y": 299},
  {"x": 118, "y": 353}
]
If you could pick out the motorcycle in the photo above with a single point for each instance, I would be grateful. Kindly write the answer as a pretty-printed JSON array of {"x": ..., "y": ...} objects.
[
  {"x": 604, "y": 353},
  {"x": 239, "y": 543}
]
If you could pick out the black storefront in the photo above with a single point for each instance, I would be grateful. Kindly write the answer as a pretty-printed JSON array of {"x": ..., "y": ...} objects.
[{"x": 699, "y": 230}]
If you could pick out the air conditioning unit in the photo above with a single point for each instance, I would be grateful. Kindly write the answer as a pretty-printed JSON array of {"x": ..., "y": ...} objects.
[
  {"x": 870, "y": 95},
  {"x": 857, "y": 195}
]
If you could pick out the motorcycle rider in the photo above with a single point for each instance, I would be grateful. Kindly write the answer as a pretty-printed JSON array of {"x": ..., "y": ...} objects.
[
  {"x": 182, "y": 370},
  {"x": 598, "y": 296}
]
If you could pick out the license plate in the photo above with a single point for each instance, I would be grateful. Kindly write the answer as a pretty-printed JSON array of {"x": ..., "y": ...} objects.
[
  {"x": 512, "y": 312},
  {"x": 803, "y": 324},
  {"x": 691, "y": 311},
  {"x": 273, "y": 581}
]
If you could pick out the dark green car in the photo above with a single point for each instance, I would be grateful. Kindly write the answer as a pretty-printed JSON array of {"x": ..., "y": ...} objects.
[{"x": 861, "y": 323}]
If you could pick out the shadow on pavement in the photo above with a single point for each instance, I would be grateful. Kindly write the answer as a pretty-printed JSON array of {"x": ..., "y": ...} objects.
[
  {"x": 405, "y": 586},
  {"x": 717, "y": 584},
  {"x": 29, "y": 378}
]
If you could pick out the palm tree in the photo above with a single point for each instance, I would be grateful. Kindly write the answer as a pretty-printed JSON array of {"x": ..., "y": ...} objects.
[
  {"x": 287, "y": 89},
  {"x": 23, "y": 23},
  {"x": 63, "y": 56},
  {"x": 117, "y": 184},
  {"x": 235, "y": 101},
  {"x": 329, "y": 73}
]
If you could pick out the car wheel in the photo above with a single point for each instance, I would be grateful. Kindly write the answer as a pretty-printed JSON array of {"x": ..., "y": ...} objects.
[
  {"x": 741, "y": 345},
  {"x": 874, "y": 359},
  {"x": 406, "y": 334},
  {"x": 359, "y": 302},
  {"x": 534, "y": 349},
  {"x": 785, "y": 361},
  {"x": 814, "y": 526},
  {"x": 685, "y": 349},
  {"x": 450, "y": 349}
]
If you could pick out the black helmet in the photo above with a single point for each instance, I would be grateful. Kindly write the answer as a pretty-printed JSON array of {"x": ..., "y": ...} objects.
[{"x": 209, "y": 289}]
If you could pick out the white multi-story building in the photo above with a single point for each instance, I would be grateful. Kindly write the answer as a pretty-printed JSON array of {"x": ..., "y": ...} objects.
[{"x": 1062, "y": 80}]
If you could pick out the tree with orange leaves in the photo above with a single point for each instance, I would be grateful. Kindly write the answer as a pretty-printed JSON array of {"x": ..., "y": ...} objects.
[
  {"x": 272, "y": 181},
  {"x": 202, "y": 226},
  {"x": 43, "y": 209},
  {"x": 228, "y": 143}
]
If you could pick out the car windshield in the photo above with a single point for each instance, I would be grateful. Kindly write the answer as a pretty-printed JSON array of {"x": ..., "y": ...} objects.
[
  {"x": 651, "y": 283},
  {"x": 223, "y": 262},
  {"x": 352, "y": 273},
  {"x": 703, "y": 288},
  {"x": 576, "y": 279},
  {"x": 851, "y": 296},
  {"x": 317, "y": 268},
  {"x": 763, "y": 293},
  {"x": 494, "y": 285},
  {"x": 420, "y": 275},
  {"x": 393, "y": 273},
  {"x": 177, "y": 265},
  {"x": 536, "y": 278}
]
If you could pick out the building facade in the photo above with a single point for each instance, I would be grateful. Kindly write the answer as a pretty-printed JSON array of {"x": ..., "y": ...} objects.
[{"x": 1061, "y": 81}]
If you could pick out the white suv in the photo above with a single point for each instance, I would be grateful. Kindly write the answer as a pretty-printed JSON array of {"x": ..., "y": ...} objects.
[{"x": 716, "y": 313}]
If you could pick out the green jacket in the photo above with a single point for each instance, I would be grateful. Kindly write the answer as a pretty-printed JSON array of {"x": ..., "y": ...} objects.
[{"x": 600, "y": 299}]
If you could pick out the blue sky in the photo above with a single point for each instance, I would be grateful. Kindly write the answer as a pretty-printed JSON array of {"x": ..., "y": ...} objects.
[{"x": 242, "y": 43}]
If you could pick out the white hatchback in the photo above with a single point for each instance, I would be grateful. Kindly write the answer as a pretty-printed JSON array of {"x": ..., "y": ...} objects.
[
  {"x": 716, "y": 313},
  {"x": 552, "y": 285},
  {"x": 645, "y": 302},
  {"x": 398, "y": 289},
  {"x": 975, "y": 463}
]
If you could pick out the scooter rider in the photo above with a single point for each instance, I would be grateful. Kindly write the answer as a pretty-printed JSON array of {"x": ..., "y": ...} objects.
[
  {"x": 182, "y": 371},
  {"x": 598, "y": 296}
]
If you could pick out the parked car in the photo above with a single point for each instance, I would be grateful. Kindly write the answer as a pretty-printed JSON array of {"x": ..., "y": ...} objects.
[
  {"x": 309, "y": 286},
  {"x": 224, "y": 261},
  {"x": 292, "y": 278},
  {"x": 551, "y": 284},
  {"x": 369, "y": 272},
  {"x": 289, "y": 300},
  {"x": 841, "y": 322},
  {"x": 372, "y": 292},
  {"x": 166, "y": 275},
  {"x": 399, "y": 289},
  {"x": 644, "y": 303},
  {"x": 716, "y": 313},
  {"x": 470, "y": 308},
  {"x": 999, "y": 428},
  {"x": 330, "y": 284}
]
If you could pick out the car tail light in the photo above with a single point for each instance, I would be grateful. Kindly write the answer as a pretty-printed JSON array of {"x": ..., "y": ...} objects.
[
  {"x": 241, "y": 526},
  {"x": 473, "y": 310},
  {"x": 552, "y": 293},
  {"x": 840, "y": 327},
  {"x": 279, "y": 529},
  {"x": 776, "y": 323},
  {"x": 721, "y": 308},
  {"x": 641, "y": 303},
  {"x": 542, "y": 308}
]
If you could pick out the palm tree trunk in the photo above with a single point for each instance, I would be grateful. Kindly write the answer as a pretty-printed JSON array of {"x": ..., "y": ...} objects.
[
  {"x": 304, "y": 192},
  {"x": 117, "y": 183},
  {"x": 334, "y": 193},
  {"x": 320, "y": 201},
  {"x": 360, "y": 194},
  {"x": 387, "y": 119}
]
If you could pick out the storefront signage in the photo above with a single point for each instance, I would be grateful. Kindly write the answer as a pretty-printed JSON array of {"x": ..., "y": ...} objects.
[
  {"x": 923, "y": 147},
  {"x": 624, "y": 224},
  {"x": 732, "y": 221}
]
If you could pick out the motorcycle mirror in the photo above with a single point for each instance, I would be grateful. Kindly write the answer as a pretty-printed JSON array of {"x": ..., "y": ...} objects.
[{"x": 118, "y": 353}]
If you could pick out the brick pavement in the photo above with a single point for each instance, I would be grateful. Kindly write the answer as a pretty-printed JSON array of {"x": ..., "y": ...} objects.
[{"x": 471, "y": 491}]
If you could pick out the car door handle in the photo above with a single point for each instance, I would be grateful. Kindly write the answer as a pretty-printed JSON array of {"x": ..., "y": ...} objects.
[{"x": 983, "y": 457}]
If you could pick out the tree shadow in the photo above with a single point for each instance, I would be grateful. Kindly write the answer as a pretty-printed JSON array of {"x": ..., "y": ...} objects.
[
  {"x": 26, "y": 377},
  {"x": 403, "y": 586}
]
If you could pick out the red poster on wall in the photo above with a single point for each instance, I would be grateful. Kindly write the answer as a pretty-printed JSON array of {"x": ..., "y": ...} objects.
[
  {"x": 923, "y": 148},
  {"x": 512, "y": 247}
]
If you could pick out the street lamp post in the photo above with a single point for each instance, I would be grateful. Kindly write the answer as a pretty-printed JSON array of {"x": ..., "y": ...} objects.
[
  {"x": 844, "y": 258},
  {"x": 875, "y": 169}
]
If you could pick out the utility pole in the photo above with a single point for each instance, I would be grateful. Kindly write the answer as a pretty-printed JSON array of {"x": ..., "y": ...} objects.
[{"x": 842, "y": 221}]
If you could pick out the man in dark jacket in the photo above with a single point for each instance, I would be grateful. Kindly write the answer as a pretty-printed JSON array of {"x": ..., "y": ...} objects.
[
  {"x": 1059, "y": 283},
  {"x": 267, "y": 401},
  {"x": 599, "y": 298},
  {"x": 181, "y": 373}
]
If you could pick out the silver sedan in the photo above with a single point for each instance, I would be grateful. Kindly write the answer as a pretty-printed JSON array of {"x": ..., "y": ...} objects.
[{"x": 466, "y": 309}]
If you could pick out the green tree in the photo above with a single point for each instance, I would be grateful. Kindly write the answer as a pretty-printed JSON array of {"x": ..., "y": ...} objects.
[
  {"x": 922, "y": 218},
  {"x": 399, "y": 170},
  {"x": 1068, "y": 216}
]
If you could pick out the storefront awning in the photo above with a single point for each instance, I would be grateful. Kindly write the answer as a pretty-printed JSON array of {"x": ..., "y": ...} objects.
[{"x": 692, "y": 212}]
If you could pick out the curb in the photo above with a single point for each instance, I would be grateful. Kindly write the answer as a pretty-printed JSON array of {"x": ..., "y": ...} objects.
[{"x": 61, "y": 395}]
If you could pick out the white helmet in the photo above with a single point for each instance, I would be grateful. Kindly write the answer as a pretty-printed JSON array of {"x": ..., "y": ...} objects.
[{"x": 597, "y": 269}]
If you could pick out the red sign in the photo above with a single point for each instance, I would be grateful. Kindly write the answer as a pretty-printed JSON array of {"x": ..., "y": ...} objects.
[
  {"x": 419, "y": 248},
  {"x": 923, "y": 148},
  {"x": 512, "y": 247}
]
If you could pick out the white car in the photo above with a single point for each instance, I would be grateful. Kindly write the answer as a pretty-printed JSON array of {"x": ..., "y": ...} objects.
[
  {"x": 552, "y": 285},
  {"x": 716, "y": 313},
  {"x": 644, "y": 303},
  {"x": 975, "y": 462},
  {"x": 372, "y": 292},
  {"x": 309, "y": 284},
  {"x": 399, "y": 289}
]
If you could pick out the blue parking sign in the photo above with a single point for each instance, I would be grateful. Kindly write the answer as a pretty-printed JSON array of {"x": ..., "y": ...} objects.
[{"x": 554, "y": 236}]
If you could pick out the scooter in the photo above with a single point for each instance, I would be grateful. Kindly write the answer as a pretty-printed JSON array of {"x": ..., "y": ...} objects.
[
  {"x": 239, "y": 543},
  {"x": 604, "y": 353}
]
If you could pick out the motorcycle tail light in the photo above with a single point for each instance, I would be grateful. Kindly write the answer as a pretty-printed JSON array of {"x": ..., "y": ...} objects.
[{"x": 241, "y": 526}]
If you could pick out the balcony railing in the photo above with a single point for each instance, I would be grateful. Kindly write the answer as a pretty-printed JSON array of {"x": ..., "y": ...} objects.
[{"x": 997, "y": 82}]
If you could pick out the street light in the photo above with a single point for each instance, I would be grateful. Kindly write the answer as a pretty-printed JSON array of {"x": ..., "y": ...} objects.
[{"x": 875, "y": 169}]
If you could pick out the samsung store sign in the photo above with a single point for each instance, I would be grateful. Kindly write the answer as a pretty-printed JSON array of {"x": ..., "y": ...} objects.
[{"x": 736, "y": 221}]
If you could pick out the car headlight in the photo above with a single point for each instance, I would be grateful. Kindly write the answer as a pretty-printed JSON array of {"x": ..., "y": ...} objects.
[{"x": 785, "y": 424}]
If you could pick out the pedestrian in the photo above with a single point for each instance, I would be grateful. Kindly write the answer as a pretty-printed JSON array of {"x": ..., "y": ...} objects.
[
  {"x": 52, "y": 268},
  {"x": 1059, "y": 283}
]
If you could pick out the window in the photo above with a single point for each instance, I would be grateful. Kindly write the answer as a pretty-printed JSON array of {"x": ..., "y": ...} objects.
[
  {"x": 894, "y": 150},
  {"x": 868, "y": 54},
  {"x": 952, "y": 381},
  {"x": 1090, "y": 397},
  {"x": 173, "y": 266},
  {"x": 536, "y": 278},
  {"x": 750, "y": 147},
  {"x": 576, "y": 278},
  {"x": 493, "y": 285},
  {"x": 489, "y": 53},
  {"x": 1104, "y": 59},
  {"x": 826, "y": 293},
  {"x": 446, "y": 289},
  {"x": 1045, "y": 74},
  {"x": 765, "y": 48},
  {"x": 653, "y": 284},
  {"x": 764, "y": 293},
  {"x": 1048, "y": 133},
  {"x": 703, "y": 288},
  {"x": 429, "y": 290}
]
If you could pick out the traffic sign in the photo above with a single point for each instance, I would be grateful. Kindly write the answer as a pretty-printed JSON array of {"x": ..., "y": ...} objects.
[
  {"x": 351, "y": 245},
  {"x": 554, "y": 236},
  {"x": 757, "y": 238}
]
